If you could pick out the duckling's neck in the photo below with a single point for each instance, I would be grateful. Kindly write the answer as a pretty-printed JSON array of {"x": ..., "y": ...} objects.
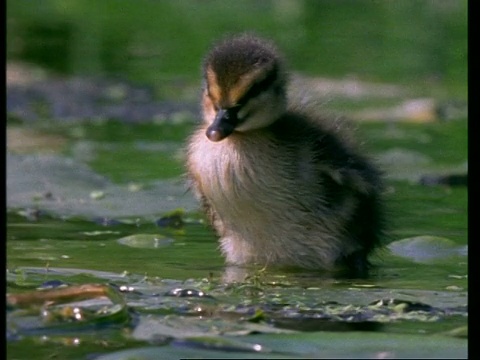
[{"x": 231, "y": 165}]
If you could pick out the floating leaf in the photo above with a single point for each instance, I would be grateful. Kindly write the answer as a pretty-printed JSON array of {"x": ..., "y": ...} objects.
[
  {"x": 358, "y": 345},
  {"x": 426, "y": 248},
  {"x": 400, "y": 163}
]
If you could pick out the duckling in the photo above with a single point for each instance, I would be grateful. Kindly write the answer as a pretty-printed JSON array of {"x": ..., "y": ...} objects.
[{"x": 279, "y": 184}]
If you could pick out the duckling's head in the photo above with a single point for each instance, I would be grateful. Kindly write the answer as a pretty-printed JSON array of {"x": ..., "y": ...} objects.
[{"x": 244, "y": 86}]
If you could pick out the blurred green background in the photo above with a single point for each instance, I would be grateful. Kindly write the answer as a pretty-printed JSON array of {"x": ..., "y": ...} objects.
[{"x": 162, "y": 42}]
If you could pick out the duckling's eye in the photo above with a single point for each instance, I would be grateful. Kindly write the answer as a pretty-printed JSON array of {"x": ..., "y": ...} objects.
[{"x": 259, "y": 87}]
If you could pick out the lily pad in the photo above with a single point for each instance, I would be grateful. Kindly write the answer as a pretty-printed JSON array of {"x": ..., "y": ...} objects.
[
  {"x": 424, "y": 249},
  {"x": 358, "y": 345},
  {"x": 67, "y": 187},
  {"x": 404, "y": 164}
]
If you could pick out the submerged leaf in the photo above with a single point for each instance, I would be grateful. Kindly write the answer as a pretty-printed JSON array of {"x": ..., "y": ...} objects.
[{"x": 147, "y": 241}]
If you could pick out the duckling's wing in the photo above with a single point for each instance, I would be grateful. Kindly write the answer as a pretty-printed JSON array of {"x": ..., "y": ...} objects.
[{"x": 344, "y": 164}]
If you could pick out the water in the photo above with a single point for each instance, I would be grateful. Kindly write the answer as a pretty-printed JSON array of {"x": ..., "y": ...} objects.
[{"x": 85, "y": 194}]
